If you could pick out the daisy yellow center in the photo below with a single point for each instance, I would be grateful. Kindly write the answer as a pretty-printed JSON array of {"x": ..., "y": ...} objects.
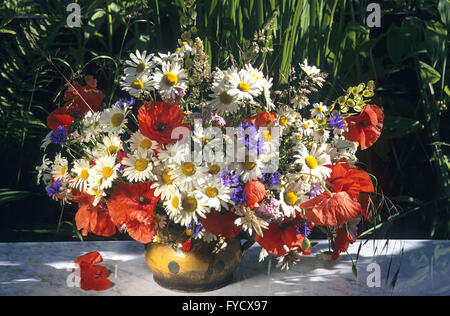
[
  {"x": 117, "y": 119},
  {"x": 84, "y": 174},
  {"x": 175, "y": 202},
  {"x": 283, "y": 120},
  {"x": 189, "y": 204},
  {"x": 188, "y": 169},
  {"x": 321, "y": 132},
  {"x": 107, "y": 172},
  {"x": 299, "y": 99},
  {"x": 319, "y": 109},
  {"x": 290, "y": 197},
  {"x": 137, "y": 84},
  {"x": 140, "y": 67},
  {"x": 141, "y": 164},
  {"x": 211, "y": 192},
  {"x": 267, "y": 135},
  {"x": 166, "y": 176},
  {"x": 311, "y": 162},
  {"x": 214, "y": 169},
  {"x": 248, "y": 165},
  {"x": 298, "y": 136},
  {"x": 305, "y": 125},
  {"x": 184, "y": 43},
  {"x": 63, "y": 169},
  {"x": 111, "y": 149},
  {"x": 225, "y": 98},
  {"x": 145, "y": 143},
  {"x": 244, "y": 87},
  {"x": 170, "y": 79}
]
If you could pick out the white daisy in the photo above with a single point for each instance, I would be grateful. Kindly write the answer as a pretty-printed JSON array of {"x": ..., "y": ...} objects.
[
  {"x": 113, "y": 120},
  {"x": 243, "y": 84},
  {"x": 139, "y": 166},
  {"x": 319, "y": 110},
  {"x": 249, "y": 170},
  {"x": 109, "y": 145},
  {"x": 300, "y": 101},
  {"x": 249, "y": 221},
  {"x": 44, "y": 170},
  {"x": 222, "y": 102},
  {"x": 163, "y": 185},
  {"x": 81, "y": 169},
  {"x": 140, "y": 63},
  {"x": 138, "y": 140},
  {"x": 285, "y": 118},
  {"x": 172, "y": 205},
  {"x": 104, "y": 172},
  {"x": 321, "y": 135},
  {"x": 94, "y": 188},
  {"x": 290, "y": 199},
  {"x": 188, "y": 175},
  {"x": 191, "y": 206},
  {"x": 169, "y": 58},
  {"x": 216, "y": 194},
  {"x": 90, "y": 126},
  {"x": 60, "y": 168},
  {"x": 344, "y": 149},
  {"x": 289, "y": 259},
  {"x": 175, "y": 153},
  {"x": 170, "y": 80},
  {"x": 313, "y": 162},
  {"x": 306, "y": 127},
  {"x": 137, "y": 85}
]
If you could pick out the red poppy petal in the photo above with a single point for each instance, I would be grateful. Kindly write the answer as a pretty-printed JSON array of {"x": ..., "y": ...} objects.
[
  {"x": 92, "y": 257},
  {"x": 255, "y": 191}
]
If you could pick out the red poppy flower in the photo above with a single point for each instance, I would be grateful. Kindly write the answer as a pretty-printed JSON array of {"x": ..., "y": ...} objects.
[
  {"x": 357, "y": 183},
  {"x": 279, "y": 234},
  {"x": 59, "y": 117},
  {"x": 93, "y": 277},
  {"x": 93, "y": 219},
  {"x": 84, "y": 98},
  {"x": 157, "y": 120},
  {"x": 221, "y": 223},
  {"x": 134, "y": 205},
  {"x": 261, "y": 119},
  {"x": 341, "y": 242},
  {"x": 366, "y": 127},
  {"x": 336, "y": 209},
  {"x": 255, "y": 191},
  {"x": 92, "y": 257}
]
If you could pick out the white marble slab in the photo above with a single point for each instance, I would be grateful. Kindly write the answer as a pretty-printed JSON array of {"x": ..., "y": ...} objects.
[{"x": 46, "y": 269}]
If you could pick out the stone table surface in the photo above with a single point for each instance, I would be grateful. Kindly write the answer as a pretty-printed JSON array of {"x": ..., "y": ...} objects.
[{"x": 396, "y": 267}]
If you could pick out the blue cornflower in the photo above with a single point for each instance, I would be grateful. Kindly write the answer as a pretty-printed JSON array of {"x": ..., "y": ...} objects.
[
  {"x": 239, "y": 195},
  {"x": 54, "y": 188},
  {"x": 228, "y": 178},
  {"x": 337, "y": 121},
  {"x": 58, "y": 135}
]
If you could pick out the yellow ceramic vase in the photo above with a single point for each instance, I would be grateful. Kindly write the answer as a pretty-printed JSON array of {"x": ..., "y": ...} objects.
[{"x": 195, "y": 271}]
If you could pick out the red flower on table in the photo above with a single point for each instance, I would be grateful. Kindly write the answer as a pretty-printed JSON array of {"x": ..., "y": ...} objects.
[
  {"x": 93, "y": 276},
  {"x": 157, "y": 120},
  {"x": 366, "y": 127}
]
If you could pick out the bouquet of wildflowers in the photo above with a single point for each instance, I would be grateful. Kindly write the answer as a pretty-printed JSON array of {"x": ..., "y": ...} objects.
[{"x": 194, "y": 154}]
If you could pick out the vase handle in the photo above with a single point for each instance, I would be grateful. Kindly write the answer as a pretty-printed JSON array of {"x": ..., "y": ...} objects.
[{"x": 245, "y": 246}]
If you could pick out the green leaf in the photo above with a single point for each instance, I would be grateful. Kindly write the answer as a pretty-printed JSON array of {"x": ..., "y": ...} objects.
[
  {"x": 395, "y": 44},
  {"x": 397, "y": 126},
  {"x": 9, "y": 195},
  {"x": 405, "y": 198},
  {"x": 6, "y": 31},
  {"x": 444, "y": 11},
  {"x": 428, "y": 73}
]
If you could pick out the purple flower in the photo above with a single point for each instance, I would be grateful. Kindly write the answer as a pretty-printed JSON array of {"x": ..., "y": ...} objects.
[
  {"x": 239, "y": 195},
  {"x": 270, "y": 211},
  {"x": 58, "y": 135},
  {"x": 197, "y": 229},
  {"x": 272, "y": 180},
  {"x": 228, "y": 178},
  {"x": 300, "y": 229},
  {"x": 249, "y": 134},
  {"x": 54, "y": 188},
  {"x": 316, "y": 190},
  {"x": 122, "y": 103},
  {"x": 337, "y": 121}
]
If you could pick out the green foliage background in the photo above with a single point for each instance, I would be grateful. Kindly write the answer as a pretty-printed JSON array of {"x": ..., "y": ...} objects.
[{"x": 406, "y": 57}]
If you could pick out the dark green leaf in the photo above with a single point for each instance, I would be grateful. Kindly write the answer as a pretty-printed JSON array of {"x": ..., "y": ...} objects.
[{"x": 396, "y": 126}]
